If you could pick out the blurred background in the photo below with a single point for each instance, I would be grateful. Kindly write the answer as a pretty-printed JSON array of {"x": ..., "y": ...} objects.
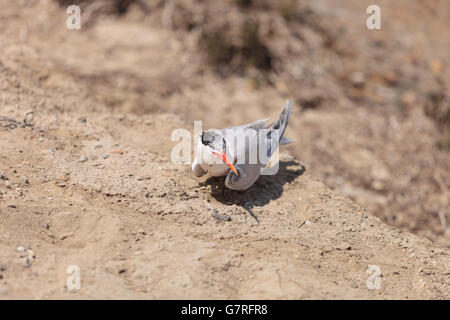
[{"x": 372, "y": 107}]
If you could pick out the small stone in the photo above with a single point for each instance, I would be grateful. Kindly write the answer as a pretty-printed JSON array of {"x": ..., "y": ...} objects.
[
  {"x": 31, "y": 255},
  {"x": 3, "y": 177},
  {"x": 98, "y": 146},
  {"x": 105, "y": 156},
  {"x": 3, "y": 266},
  {"x": 41, "y": 139},
  {"x": 25, "y": 180},
  {"x": 220, "y": 217},
  {"x": 83, "y": 159},
  {"x": 27, "y": 263},
  {"x": 65, "y": 236},
  {"x": 354, "y": 285},
  {"x": 20, "y": 248},
  {"x": 117, "y": 151}
]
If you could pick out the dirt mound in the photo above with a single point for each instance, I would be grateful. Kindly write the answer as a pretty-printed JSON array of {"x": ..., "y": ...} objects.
[{"x": 89, "y": 182}]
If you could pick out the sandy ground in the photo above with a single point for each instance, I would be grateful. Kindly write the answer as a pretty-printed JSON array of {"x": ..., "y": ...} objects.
[{"x": 89, "y": 181}]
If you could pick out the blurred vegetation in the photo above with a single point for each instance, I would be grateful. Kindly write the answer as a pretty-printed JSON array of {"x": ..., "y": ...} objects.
[
  {"x": 220, "y": 50},
  {"x": 243, "y": 3},
  {"x": 111, "y": 6},
  {"x": 249, "y": 52},
  {"x": 236, "y": 36},
  {"x": 437, "y": 107}
]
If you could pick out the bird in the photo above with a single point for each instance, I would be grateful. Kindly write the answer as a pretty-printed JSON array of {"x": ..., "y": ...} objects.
[{"x": 241, "y": 152}]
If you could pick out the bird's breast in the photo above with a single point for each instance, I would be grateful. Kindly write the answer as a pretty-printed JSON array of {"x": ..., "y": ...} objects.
[{"x": 217, "y": 170}]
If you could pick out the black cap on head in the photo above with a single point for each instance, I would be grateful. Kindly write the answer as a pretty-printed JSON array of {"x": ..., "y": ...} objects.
[
  {"x": 213, "y": 140},
  {"x": 208, "y": 138}
]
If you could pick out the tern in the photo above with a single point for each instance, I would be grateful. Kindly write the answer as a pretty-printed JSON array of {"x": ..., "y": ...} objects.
[{"x": 240, "y": 153}]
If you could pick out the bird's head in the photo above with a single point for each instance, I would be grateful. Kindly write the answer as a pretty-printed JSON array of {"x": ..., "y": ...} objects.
[{"x": 218, "y": 147}]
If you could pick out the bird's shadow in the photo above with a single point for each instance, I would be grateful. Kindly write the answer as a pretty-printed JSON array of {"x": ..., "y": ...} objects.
[{"x": 266, "y": 188}]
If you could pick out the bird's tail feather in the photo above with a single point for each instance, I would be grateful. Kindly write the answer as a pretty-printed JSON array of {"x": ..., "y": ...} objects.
[
  {"x": 279, "y": 125},
  {"x": 282, "y": 122}
]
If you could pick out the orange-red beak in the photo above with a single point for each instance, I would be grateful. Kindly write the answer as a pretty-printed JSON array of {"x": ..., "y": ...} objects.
[{"x": 224, "y": 158}]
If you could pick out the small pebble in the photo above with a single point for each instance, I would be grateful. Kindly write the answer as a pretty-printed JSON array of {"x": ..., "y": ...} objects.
[
  {"x": 41, "y": 139},
  {"x": 83, "y": 159},
  {"x": 105, "y": 156},
  {"x": 27, "y": 263},
  {"x": 21, "y": 248},
  {"x": 220, "y": 217},
  {"x": 65, "y": 236}
]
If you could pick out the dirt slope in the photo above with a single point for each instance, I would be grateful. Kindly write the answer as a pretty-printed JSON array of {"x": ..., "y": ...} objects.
[
  {"x": 141, "y": 227},
  {"x": 86, "y": 185}
]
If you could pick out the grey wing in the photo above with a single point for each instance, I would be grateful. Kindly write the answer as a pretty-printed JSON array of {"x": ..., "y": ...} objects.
[{"x": 248, "y": 174}]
